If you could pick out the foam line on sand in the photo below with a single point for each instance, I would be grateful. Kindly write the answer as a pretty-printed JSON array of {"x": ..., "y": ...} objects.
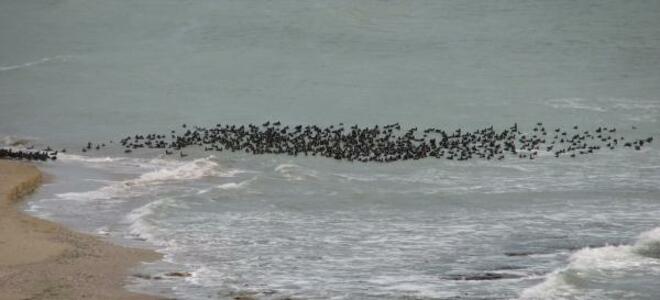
[{"x": 44, "y": 260}]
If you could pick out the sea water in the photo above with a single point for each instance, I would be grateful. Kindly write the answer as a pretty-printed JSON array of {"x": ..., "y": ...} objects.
[{"x": 273, "y": 227}]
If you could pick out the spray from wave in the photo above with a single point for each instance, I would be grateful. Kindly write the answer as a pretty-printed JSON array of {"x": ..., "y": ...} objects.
[{"x": 589, "y": 267}]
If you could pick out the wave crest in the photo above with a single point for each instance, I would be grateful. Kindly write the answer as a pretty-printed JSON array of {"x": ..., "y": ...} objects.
[
  {"x": 293, "y": 172},
  {"x": 648, "y": 244},
  {"x": 171, "y": 171},
  {"x": 588, "y": 264},
  {"x": 195, "y": 169}
]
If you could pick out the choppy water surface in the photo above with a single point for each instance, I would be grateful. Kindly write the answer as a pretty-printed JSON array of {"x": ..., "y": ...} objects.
[
  {"x": 273, "y": 227},
  {"x": 276, "y": 227}
]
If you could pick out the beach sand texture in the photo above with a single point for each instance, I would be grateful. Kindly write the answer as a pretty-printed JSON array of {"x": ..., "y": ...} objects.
[{"x": 43, "y": 260}]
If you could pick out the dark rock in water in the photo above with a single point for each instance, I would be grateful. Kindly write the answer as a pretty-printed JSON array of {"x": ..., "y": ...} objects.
[
  {"x": 147, "y": 276},
  {"x": 523, "y": 253},
  {"x": 482, "y": 276},
  {"x": 178, "y": 274},
  {"x": 142, "y": 276},
  {"x": 241, "y": 295}
]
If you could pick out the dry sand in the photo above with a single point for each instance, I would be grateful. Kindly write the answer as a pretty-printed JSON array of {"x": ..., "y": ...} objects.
[{"x": 43, "y": 260}]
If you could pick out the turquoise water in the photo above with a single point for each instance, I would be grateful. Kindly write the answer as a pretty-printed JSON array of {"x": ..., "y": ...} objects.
[{"x": 310, "y": 228}]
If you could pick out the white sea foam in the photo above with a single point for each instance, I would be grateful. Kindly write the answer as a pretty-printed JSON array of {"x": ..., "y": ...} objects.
[
  {"x": 106, "y": 192},
  {"x": 189, "y": 170},
  {"x": 648, "y": 244},
  {"x": 119, "y": 161},
  {"x": 362, "y": 177},
  {"x": 586, "y": 263},
  {"x": 634, "y": 104},
  {"x": 295, "y": 172},
  {"x": 103, "y": 230},
  {"x": 230, "y": 186},
  {"x": 232, "y": 172},
  {"x": 172, "y": 171},
  {"x": 235, "y": 185},
  {"x": 202, "y": 276},
  {"x": 34, "y": 63},
  {"x": 517, "y": 167},
  {"x": 89, "y": 159},
  {"x": 574, "y": 103},
  {"x": 140, "y": 227}
]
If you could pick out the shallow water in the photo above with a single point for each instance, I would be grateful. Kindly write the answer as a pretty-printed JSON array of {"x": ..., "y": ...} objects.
[{"x": 312, "y": 228}]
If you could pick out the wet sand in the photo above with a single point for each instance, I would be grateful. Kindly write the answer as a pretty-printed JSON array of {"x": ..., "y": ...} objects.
[{"x": 44, "y": 260}]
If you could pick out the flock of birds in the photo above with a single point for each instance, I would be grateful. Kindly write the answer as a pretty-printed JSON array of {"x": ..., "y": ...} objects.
[
  {"x": 367, "y": 144},
  {"x": 27, "y": 155},
  {"x": 381, "y": 143}
]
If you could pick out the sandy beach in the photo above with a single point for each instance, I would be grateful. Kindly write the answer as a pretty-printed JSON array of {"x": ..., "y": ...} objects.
[{"x": 43, "y": 260}]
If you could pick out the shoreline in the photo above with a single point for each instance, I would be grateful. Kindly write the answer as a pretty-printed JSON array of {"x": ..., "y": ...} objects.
[{"x": 40, "y": 259}]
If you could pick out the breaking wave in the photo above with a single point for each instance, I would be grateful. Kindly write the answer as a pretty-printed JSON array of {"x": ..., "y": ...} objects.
[
  {"x": 140, "y": 227},
  {"x": 171, "y": 171},
  {"x": 589, "y": 266},
  {"x": 197, "y": 168}
]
